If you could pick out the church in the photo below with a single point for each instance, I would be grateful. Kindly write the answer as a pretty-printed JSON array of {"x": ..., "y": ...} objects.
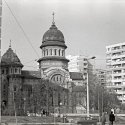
[{"x": 52, "y": 87}]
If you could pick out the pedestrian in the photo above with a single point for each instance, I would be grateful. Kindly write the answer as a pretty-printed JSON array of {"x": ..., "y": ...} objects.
[
  {"x": 44, "y": 112},
  {"x": 103, "y": 119},
  {"x": 111, "y": 118}
]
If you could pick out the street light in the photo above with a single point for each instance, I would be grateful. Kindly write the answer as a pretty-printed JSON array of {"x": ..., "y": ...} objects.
[
  {"x": 24, "y": 105},
  {"x": 88, "y": 88}
]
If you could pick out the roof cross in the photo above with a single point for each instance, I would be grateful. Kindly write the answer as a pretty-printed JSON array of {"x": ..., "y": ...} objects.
[
  {"x": 53, "y": 18},
  {"x": 10, "y": 44}
]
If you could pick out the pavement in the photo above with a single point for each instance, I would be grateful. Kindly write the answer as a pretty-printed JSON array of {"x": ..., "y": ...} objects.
[{"x": 107, "y": 123}]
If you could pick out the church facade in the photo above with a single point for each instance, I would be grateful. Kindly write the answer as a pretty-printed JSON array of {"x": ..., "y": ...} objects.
[
  {"x": 53, "y": 81},
  {"x": 53, "y": 63}
]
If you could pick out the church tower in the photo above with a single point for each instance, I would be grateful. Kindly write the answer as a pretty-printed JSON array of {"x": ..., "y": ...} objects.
[
  {"x": 11, "y": 80},
  {"x": 53, "y": 63}
]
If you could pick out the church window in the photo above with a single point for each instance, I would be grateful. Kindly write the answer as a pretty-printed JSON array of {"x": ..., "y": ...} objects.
[
  {"x": 62, "y": 52},
  {"x": 57, "y": 78},
  {"x": 55, "y": 51},
  {"x": 43, "y": 52},
  {"x": 53, "y": 78},
  {"x": 3, "y": 71},
  {"x": 59, "y": 52},
  {"x": 16, "y": 70}
]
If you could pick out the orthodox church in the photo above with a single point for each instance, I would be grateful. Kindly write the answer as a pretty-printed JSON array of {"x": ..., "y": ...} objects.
[{"x": 18, "y": 85}]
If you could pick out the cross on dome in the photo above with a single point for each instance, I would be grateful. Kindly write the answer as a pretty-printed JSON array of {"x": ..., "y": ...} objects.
[
  {"x": 10, "y": 44},
  {"x": 53, "y": 18}
]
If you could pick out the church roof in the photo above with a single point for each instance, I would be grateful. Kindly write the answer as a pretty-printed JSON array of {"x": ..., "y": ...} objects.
[
  {"x": 53, "y": 58},
  {"x": 53, "y": 34},
  {"x": 10, "y": 58},
  {"x": 76, "y": 76},
  {"x": 31, "y": 74},
  {"x": 53, "y": 43},
  {"x": 53, "y": 37}
]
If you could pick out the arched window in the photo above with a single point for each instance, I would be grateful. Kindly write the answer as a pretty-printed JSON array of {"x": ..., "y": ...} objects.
[
  {"x": 55, "y": 51},
  {"x": 43, "y": 52},
  {"x": 62, "y": 52},
  {"x": 16, "y": 70},
  {"x": 59, "y": 52}
]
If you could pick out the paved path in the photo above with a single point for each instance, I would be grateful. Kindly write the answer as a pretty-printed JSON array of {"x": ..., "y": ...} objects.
[{"x": 107, "y": 123}]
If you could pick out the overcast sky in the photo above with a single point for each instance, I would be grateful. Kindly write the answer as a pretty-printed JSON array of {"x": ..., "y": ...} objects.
[{"x": 87, "y": 25}]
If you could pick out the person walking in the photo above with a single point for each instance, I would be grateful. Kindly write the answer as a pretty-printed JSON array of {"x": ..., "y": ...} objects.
[{"x": 111, "y": 118}]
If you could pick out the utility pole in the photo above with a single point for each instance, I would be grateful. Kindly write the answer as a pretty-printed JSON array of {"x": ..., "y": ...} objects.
[
  {"x": 0, "y": 60},
  {"x": 47, "y": 96},
  {"x": 88, "y": 87}
]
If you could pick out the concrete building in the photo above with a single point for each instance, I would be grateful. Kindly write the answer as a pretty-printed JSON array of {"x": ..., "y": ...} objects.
[
  {"x": 115, "y": 60},
  {"x": 101, "y": 75},
  {"x": 80, "y": 64}
]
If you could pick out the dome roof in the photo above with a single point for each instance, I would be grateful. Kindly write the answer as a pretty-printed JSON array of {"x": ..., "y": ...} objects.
[
  {"x": 53, "y": 34},
  {"x": 10, "y": 58}
]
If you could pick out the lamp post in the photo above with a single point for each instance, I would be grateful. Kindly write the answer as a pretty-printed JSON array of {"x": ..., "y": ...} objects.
[
  {"x": 88, "y": 88},
  {"x": 24, "y": 105},
  {"x": 60, "y": 105}
]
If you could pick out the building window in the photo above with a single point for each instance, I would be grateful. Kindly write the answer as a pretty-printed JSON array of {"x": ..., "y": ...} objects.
[
  {"x": 55, "y": 51},
  {"x": 43, "y": 52},
  {"x": 53, "y": 78},
  {"x": 16, "y": 70},
  {"x": 47, "y": 52},
  {"x": 59, "y": 52},
  {"x": 3, "y": 71},
  {"x": 62, "y": 52}
]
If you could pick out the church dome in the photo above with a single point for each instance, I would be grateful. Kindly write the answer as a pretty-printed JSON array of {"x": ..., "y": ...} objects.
[
  {"x": 53, "y": 37},
  {"x": 10, "y": 58},
  {"x": 53, "y": 34}
]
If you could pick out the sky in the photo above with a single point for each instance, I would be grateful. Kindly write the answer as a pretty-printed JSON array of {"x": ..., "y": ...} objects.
[{"x": 87, "y": 25}]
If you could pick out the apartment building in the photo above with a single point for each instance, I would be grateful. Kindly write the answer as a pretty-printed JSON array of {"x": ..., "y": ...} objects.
[
  {"x": 101, "y": 75},
  {"x": 80, "y": 64},
  {"x": 115, "y": 61}
]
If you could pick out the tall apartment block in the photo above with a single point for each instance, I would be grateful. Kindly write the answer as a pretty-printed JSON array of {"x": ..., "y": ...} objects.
[
  {"x": 115, "y": 61},
  {"x": 80, "y": 64},
  {"x": 101, "y": 75}
]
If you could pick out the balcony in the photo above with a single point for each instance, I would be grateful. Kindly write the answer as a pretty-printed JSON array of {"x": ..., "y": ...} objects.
[
  {"x": 117, "y": 80},
  {"x": 118, "y": 56},
  {"x": 113, "y": 86},
  {"x": 116, "y": 62},
  {"x": 119, "y": 92}
]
